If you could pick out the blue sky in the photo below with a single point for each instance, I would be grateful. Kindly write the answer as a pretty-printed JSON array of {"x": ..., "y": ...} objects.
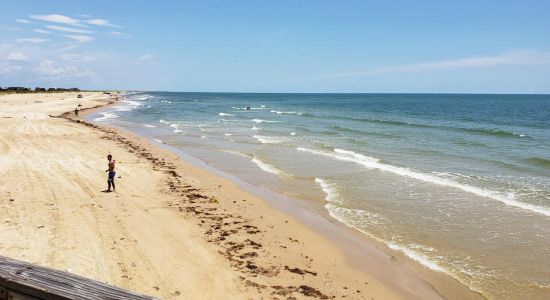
[{"x": 278, "y": 46}]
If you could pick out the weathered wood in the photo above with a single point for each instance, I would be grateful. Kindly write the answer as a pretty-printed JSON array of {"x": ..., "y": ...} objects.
[{"x": 21, "y": 280}]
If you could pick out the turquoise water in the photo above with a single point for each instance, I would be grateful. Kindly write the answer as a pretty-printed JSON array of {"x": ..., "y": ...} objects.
[{"x": 459, "y": 183}]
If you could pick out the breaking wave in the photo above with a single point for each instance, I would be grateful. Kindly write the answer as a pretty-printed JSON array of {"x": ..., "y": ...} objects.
[
  {"x": 267, "y": 167},
  {"x": 374, "y": 163}
]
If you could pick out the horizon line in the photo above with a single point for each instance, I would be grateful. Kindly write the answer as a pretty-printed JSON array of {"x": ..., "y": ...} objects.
[{"x": 403, "y": 93}]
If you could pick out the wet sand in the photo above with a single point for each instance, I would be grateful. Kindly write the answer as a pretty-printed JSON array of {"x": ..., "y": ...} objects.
[{"x": 172, "y": 229}]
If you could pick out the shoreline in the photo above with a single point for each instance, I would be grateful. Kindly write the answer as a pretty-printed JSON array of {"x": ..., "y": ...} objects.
[
  {"x": 254, "y": 248},
  {"x": 351, "y": 242}
]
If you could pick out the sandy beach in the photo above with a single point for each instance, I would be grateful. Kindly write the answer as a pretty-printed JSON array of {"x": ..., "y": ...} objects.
[{"x": 171, "y": 230}]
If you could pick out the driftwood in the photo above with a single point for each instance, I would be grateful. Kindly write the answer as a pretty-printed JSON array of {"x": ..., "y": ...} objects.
[{"x": 24, "y": 281}]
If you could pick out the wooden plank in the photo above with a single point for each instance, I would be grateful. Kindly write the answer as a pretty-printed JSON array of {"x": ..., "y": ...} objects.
[
  {"x": 12, "y": 295},
  {"x": 37, "y": 282}
]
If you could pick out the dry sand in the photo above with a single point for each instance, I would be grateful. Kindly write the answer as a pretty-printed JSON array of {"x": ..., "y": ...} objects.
[{"x": 171, "y": 230}]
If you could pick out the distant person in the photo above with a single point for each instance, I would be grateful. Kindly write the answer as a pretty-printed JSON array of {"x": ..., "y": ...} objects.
[
  {"x": 248, "y": 108},
  {"x": 111, "y": 176},
  {"x": 76, "y": 111}
]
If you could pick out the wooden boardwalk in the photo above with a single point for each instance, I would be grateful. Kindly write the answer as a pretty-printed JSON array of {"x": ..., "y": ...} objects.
[{"x": 23, "y": 281}]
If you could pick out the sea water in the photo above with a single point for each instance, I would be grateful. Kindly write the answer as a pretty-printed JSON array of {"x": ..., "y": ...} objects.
[{"x": 458, "y": 183}]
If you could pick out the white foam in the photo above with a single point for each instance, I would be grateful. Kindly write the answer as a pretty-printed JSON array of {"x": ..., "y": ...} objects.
[
  {"x": 163, "y": 121},
  {"x": 330, "y": 189},
  {"x": 255, "y": 128},
  {"x": 234, "y": 153},
  {"x": 264, "y": 121},
  {"x": 285, "y": 112},
  {"x": 127, "y": 105},
  {"x": 228, "y": 134},
  {"x": 224, "y": 114},
  {"x": 174, "y": 125},
  {"x": 123, "y": 108},
  {"x": 150, "y": 126},
  {"x": 178, "y": 130},
  {"x": 142, "y": 97},
  {"x": 374, "y": 163},
  {"x": 293, "y": 133},
  {"x": 270, "y": 139},
  {"x": 267, "y": 167},
  {"x": 418, "y": 257},
  {"x": 333, "y": 197},
  {"x": 134, "y": 103},
  {"x": 106, "y": 116}
]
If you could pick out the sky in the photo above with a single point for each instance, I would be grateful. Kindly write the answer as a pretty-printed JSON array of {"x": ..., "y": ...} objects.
[{"x": 361, "y": 46}]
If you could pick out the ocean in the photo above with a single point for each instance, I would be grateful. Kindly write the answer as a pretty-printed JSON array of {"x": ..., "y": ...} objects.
[{"x": 459, "y": 183}]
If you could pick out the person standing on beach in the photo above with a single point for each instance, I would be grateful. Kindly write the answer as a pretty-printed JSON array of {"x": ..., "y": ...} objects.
[{"x": 111, "y": 176}]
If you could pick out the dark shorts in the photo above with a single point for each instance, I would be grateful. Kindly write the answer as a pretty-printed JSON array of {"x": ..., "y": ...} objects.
[{"x": 111, "y": 176}]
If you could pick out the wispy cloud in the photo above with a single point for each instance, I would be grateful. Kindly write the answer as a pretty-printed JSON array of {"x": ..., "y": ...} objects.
[
  {"x": 6, "y": 69},
  {"x": 23, "y": 21},
  {"x": 50, "y": 69},
  {"x": 55, "y": 18},
  {"x": 80, "y": 37},
  {"x": 42, "y": 31},
  {"x": 43, "y": 64},
  {"x": 68, "y": 29},
  {"x": 41, "y": 53},
  {"x": 521, "y": 58},
  {"x": 81, "y": 58},
  {"x": 119, "y": 34},
  {"x": 17, "y": 56},
  {"x": 18, "y": 68},
  {"x": 32, "y": 40},
  {"x": 100, "y": 22}
]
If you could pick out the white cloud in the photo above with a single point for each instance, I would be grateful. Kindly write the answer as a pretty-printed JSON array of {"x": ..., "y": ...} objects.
[
  {"x": 55, "y": 18},
  {"x": 9, "y": 69},
  {"x": 24, "y": 21},
  {"x": 17, "y": 67},
  {"x": 17, "y": 56},
  {"x": 49, "y": 69},
  {"x": 80, "y": 37},
  {"x": 68, "y": 29},
  {"x": 100, "y": 22},
  {"x": 81, "y": 58},
  {"x": 118, "y": 33},
  {"x": 42, "y": 31},
  {"x": 520, "y": 58},
  {"x": 32, "y": 40}
]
